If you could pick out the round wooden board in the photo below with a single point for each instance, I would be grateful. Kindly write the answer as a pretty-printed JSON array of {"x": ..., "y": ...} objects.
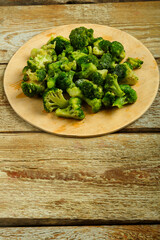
[{"x": 103, "y": 122}]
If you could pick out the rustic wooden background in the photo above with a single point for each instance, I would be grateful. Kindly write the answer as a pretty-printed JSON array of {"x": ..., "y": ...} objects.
[
  {"x": 51, "y": 2},
  {"x": 47, "y": 180}
]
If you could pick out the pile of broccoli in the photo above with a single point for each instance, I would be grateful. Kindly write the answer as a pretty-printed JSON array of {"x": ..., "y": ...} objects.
[{"x": 67, "y": 72}]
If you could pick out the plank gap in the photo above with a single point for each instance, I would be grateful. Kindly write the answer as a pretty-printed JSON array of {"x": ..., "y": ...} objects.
[
  {"x": 23, "y": 222},
  {"x": 61, "y": 2},
  {"x": 123, "y": 131}
]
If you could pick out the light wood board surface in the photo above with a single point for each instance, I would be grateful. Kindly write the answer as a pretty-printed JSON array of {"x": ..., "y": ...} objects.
[
  {"x": 119, "y": 171},
  {"x": 144, "y": 232},
  {"x": 105, "y": 121},
  {"x": 138, "y": 21},
  {"x": 110, "y": 178}
]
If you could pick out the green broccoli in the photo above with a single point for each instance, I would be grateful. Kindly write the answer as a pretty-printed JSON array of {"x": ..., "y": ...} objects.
[
  {"x": 25, "y": 69},
  {"x": 54, "y": 68},
  {"x": 106, "y": 62},
  {"x": 45, "y": 50},
  {"x": 38, "y": 75},
  {"x": 112, "y": 85},
  {"x": 108, "y": 99},
  {"x": 134, "y": 62},
  {"x": 53, "y": 99},
  {"x": 97, "y": 50},
  {"x": 39, "y": 62},
  {"x": 89, "y": 89},
  {"x": 99, "y": 77},
  {"x": 31, "y": 89},
  {"x": 90, "y": 50},
  {"x": 105, "y": 45},
  {"x": 81, "y": 37},
  {"x": 125, "y": 74},
  {"x": 64, "y": 80},
  {"x": 129, "y": 97},
  {"x": 74, "y": 91},
  {"x": 60, "y": 42},
  {"x": 68, "y": 66},
  {"x": 87, "y": 70},
  {"x": 73, "y": 110},
  {"x": 95, "y": 104},
  {"x": 51, "y": 81},
  {"x": 103, "y": 72},
  {"x": 117, "y": 51},
  {"x": 88, "y": 59}
]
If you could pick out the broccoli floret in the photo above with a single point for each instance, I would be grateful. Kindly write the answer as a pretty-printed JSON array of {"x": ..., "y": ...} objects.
[
  {"x": 134, "y": 62},
  {"x": 38, "y": 75},
  {"x": 31, "y": 89},
  {"x": 41, "y": 74},
  {"x": 88, "y": 59},
  {"x": 53, "y": 99},
  {"x": 67, "y": 66},
  {"x": 95, "y": 104},
  {"x": 45, "y": 50},
  {"x": 97, "y": 78},
  {"x": 111, "y": 84},
  {"x": 87, "y": 70},
  {"x": 97, "y": 50},
  {"x": 68, "y": 50},
  {"x": 49, "y": 46},
  {"x": 84, "y": 50},
  {"x": 62, "y": 64},
  {"x": 108, "y": 99},
  {"x": 106, "y": 62},
  {"x": 105, "y": 45},
  {"x": 64, "y": 80},
  {"x": 129, "y": 97},
  {"x": 89, "y": 89},
  {"x": 25, "y": 69},
  {"x": 125, "y": 74},
  {"x": 61, "y": 43},
  {"x": 90, "y": 50},
  {"x": 74, "y": 91},
  {"x": 33, "y": 82},
  {"x": 73, "y": 110},
  {"x": 81, "y": 37},
  {"x": 54, "y": 68},
  {"x": 103, "y": 72},
  {"x": 37, "y": 51},
  {"x": 76, "y": 55},
  {"x": 117, "y": 51},
  {"x": 39, "y": 62},
  {"x": 51, "y": 81}
]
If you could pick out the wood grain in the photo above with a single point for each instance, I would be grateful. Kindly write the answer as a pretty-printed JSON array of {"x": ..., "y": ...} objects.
[
  {"x": 144, "y": 232},
  {"x": 48, "y": 2},
  {"x": 12, "y": 122},
  {"x": 52, "y": 180},
  {"x": 20, "y": 23}
]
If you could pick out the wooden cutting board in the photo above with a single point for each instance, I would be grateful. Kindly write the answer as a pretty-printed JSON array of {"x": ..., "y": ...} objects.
[{"x": 103, "y": 122}]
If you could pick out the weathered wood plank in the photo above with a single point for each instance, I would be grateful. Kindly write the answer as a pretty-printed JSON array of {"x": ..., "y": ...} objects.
[
  {"x": 10, "y": 121},
  {"x": 18, "y": 24},
  {"x": 49, "y": 2},
  {"x": 89, "y": 233},
  {"x": 55, "y": 180}
]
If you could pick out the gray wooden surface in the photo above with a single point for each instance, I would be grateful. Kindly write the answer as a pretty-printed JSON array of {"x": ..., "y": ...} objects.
[
  {"x": 51, "y": 2},
  {"x": 50, "y": 180}
]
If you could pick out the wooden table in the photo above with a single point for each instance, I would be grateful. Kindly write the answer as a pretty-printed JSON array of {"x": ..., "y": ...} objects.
[{"x": 66, "y": 188}]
